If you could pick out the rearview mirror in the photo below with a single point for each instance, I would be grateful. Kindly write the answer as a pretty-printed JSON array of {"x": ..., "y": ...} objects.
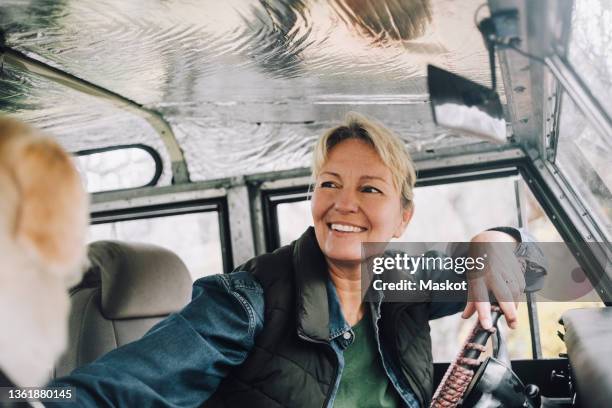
[{"x": 460, "y": 104}]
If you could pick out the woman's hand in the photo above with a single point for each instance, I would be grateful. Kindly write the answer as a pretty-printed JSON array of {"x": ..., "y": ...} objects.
[{"x": 502, "y": 277}]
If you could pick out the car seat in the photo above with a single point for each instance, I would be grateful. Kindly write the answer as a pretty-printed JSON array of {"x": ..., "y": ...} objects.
[{"x": 128, "y": 288}]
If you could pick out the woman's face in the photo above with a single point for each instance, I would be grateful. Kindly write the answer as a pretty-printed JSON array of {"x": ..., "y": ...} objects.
[{"x": 355, "y": 201}]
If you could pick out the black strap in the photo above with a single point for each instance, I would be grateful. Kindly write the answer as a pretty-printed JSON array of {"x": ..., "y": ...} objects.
[
  {"x": 5, "y": 381},
  {"x": 513, "y": 232}
]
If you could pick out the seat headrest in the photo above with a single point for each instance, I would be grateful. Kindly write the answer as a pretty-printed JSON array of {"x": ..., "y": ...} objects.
[{"x": 138, "y": 280}]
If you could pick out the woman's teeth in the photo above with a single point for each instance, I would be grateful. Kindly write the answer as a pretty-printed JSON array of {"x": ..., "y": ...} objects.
[{"x": 346, "y": 228}]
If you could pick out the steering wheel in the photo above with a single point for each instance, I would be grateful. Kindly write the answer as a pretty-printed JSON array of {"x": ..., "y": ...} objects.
[{"x": 492, "y": 383}]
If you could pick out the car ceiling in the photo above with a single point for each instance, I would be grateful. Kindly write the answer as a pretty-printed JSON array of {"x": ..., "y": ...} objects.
[{"x": 246, "y": 85}]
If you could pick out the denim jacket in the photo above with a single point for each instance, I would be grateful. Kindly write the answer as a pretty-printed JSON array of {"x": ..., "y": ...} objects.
[{"x": 182, "y": 360}]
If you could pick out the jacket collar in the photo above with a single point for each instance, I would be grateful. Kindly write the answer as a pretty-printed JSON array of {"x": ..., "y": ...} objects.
[
  {"x": 311, "y": 277},
  {"x": 319, "y": 315}
]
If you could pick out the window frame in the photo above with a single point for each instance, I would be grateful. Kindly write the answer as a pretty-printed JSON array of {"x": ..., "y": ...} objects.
[
  {"x": 553, "y": 193},
  {"x": 217, "y": 204},
  {"x": 270, "y": 199},
  {"x": 157, "y": 159}
]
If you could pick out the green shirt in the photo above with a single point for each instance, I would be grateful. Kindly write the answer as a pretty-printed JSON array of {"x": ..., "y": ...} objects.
[{"x": 364, "y": 383}]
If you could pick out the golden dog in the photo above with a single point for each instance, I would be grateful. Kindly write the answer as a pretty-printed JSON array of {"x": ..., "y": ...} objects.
[{"x": 43, "y": 227}]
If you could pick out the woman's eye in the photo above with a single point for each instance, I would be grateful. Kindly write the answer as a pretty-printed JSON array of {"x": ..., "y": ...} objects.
[
  {"x": 328, "y": 184},
  {"x": 370, "y": 189}
]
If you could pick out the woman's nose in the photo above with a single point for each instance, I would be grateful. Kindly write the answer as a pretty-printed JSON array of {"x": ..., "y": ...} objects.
[{"x": 346, "y": 201}]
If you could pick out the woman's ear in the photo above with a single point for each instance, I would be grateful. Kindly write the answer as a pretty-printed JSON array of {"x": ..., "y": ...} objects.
[{"x": 406, "y": 217}]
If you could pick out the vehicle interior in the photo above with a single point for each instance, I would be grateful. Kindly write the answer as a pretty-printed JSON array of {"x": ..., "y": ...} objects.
[{"x": 192, "y": 124}]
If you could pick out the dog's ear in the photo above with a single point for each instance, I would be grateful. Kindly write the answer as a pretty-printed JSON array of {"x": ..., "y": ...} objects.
[{"x": 53, "y": 214}]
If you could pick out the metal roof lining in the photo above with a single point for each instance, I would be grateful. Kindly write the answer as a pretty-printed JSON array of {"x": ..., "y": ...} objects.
[
  {"x": 532, "y": 99},
  {"x": 246, "y": 84},
  {"x": 249, "y": 146},
  {"x": 78, "y": 121},
  {"x": 23, "y": 63}
]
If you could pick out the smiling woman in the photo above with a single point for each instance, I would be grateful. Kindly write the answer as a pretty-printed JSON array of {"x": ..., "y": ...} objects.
[
  {"x": 363, "y": 193},
  {"x": 291, "y": 328},
  {"x": 355, "y": 200}
]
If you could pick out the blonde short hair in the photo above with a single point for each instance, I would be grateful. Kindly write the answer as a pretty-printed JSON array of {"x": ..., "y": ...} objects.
[{"x": 387, "y": 144}]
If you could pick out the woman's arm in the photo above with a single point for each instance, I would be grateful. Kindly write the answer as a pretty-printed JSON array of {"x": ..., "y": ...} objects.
[
  {"x": 529, "y": 258},
  {"x": 502, "y": 277},
  {"x": 181, "y": 360}
]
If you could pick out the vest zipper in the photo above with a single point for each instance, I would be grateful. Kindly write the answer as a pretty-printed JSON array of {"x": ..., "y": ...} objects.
[
  {"x": 329, "y": 348},
  {"x": 414, "y": 384}
]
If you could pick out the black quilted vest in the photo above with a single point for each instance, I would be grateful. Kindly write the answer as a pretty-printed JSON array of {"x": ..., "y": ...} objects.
[{"x": 292, "y": 363}]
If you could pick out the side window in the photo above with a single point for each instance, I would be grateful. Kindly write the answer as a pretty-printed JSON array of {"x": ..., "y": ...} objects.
[
  {"x": 583, "y": 157},
  {"x": 293, "y": 219},
  {"x": 458, "y": 211},
  {"x": 119, "y": 167},
  {"x": 455, "y": 213},
  {"x": 444, "y": 212},
  {"x": 194, "y": 237},
  {"x": 549, "y": 313}
]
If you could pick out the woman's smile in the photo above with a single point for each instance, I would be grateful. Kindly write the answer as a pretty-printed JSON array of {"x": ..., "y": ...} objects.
[{"x": 344, "y": 228}]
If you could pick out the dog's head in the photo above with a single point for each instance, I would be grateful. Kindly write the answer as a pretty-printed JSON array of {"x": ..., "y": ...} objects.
[
  {"x": 43, "y": 228},
  {"x": 45, "y": 209}
]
